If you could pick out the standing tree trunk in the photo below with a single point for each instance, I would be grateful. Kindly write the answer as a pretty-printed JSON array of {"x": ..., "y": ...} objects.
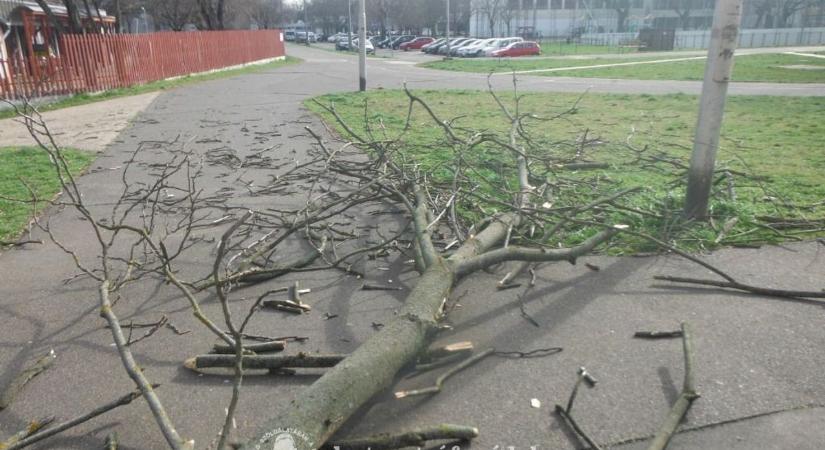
[
  {"x": 118, "y": 16},
  {"x": 52, "y": 18},
  {"x": 718, "y": 70},
  {"x": 73, "y": 12},
  {"x": 621, "y": 19}
]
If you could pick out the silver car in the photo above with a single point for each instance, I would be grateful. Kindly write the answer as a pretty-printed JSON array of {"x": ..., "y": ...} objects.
[
  {"x": 475, "y": 49},
  {"x": 500, "y": 43}
]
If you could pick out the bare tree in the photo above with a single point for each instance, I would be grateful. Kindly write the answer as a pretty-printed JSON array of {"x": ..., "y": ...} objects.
[
  {"x": 787, "y": 9},
  {"x": 683, "y": 9},
  {"x": 508, "y": 12},
  {"x": 492, "y": 10},
  {"x": 622, "y": 8},
  {"x": 266, "y": 13},
  {"x": 174, "y": 14},
  {"x": 212, "y": 13}
]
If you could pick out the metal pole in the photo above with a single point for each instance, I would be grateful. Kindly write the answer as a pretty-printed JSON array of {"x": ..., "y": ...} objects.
[
  {"x": 362, "y": 45},
  {"x": 724, "y": 37},
  {"x": 448, "y": 29},
  {"x": 349, "y": 25},
  {"x": 306, "y": 23}
]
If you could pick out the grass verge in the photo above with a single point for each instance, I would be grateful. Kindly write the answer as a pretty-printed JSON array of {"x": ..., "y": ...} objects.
[
  {"x": 86, "y": 98},
  {"x": 771, "y": 146},
  {"x": 32, "y": 166},
  {"x": 777, "y": 68}
]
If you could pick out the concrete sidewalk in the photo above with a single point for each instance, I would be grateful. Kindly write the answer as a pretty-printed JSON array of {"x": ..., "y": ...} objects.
[
  {"x": 92, "y": 127},
  {"x": 754, "y": 355}
]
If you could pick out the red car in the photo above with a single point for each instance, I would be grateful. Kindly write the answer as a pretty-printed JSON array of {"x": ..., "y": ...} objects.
[
  {"x": 525, "y": 48},
  {"x": 416, "y": 43}
]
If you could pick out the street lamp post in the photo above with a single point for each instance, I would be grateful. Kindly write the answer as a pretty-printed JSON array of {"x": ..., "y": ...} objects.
[
  {"x": 362, "y": 45},
  {"x": 306, "y": 23},
  {"x": 349, "y": 25},
  {"x": 448, "y": 29}
]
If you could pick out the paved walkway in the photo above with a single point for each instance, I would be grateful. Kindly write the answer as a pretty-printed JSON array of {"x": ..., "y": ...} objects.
[
  {"x": 390, "y": 73},
  {"x": 754, "y": 355},
  {"x": 87, "y": 127}
]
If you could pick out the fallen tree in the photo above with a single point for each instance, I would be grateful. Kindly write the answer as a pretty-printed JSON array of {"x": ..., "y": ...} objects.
[
  {"x": 156, "y": 223},
  {"x": 469, "y": 213}
]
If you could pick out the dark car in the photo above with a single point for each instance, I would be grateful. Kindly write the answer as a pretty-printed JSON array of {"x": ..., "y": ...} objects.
[
  {"x": 400, "y": 40},
  {"x": 432, "y": 44},
  {"x": 383, "y": 42},
  {"x": 454, "y": 50},
  {"x": 455, "y": 43},
  {"x": 434, "y": 49}
]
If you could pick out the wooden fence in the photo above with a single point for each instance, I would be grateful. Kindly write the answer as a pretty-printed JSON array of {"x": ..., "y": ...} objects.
[{"x": 90, "y": 63}]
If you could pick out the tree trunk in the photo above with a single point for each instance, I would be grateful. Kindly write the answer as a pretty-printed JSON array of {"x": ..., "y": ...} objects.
[
  {"x": 621, "y": 25},
  {"x": 321, "y": 409},
  {"x": 118, "y": 16},
  {"x": 74, "y": 16},
  {"x": 52, "y": 18}
]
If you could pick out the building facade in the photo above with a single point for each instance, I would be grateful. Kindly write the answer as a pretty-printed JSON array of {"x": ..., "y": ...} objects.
[{"x": 572, "y": 18}]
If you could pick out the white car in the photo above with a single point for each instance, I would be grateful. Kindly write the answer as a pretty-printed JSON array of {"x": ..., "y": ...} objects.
[
  {"x": 500, "y": 43},
  {"x": 356, "y": 47},
  {"x": 336, "y": 37},
  {"x": 475, "y": 49}
]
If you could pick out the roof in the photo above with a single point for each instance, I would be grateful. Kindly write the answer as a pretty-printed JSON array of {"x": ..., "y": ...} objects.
[{"x": 10, "y": 10}]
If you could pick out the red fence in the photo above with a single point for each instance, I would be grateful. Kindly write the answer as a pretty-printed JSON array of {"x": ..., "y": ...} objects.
[{"x": 89, "y": 63}]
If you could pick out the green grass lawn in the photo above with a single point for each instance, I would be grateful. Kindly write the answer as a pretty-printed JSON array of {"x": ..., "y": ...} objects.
[
  {"x": 563, "y": 48},
  {"x": 777, "y": 140},
  {"x": 779, "y": 68},
  {"x": 32, "y": 166},
  {"x": 82, "y": 99}
]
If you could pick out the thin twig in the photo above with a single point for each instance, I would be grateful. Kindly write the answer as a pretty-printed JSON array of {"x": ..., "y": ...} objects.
[
  {"x": 125, "y": 400},
  {"x": 23, "y": 378},
  {"x": 440, "y": 380},
  {"x": 686, "y": 397}
]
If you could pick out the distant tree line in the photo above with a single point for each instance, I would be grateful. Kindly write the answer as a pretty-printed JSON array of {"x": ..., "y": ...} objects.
[
  {"x": 412, "y": 16},
  {"x": 171, "y": 14}
]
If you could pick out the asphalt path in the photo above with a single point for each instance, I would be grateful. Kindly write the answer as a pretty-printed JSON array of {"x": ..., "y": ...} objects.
[
  {"x": 756, "y": 356},
  {"x": 392, "y": 72}
]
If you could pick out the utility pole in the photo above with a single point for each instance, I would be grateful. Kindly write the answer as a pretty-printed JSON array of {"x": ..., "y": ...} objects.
[
  {"x": 349, "y": 25},
  {"x": 362, "y": 45},
  {"x": 306, "y": 23},
  {"x": 724, "y": 36},
  {"x": 448, "y": 29}
]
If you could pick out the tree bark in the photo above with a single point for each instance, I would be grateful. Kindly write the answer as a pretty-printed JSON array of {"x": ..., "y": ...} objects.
[{"x": 324, "y": 406}]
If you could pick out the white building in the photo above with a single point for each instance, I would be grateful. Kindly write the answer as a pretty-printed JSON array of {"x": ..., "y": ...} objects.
[{"x": 565, "y": 18}]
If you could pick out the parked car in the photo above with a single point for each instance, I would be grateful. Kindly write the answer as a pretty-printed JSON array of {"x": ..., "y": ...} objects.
[
  {"x": 433, "y": 43},
  {"x": 336, "y": 37},
  {"x": 289, "y": 35},
  {"x": 499, "y": 44},
  {"x": 400, "y": 40},
  {"x": 475, "y": 49},
  {"x": 304, "y": 37},
  {"x": 416, "y": 43},
  {"x": 381, "y": 41},
  {"x": 468, "y": 42},
  {"x": 526, "y": 48},
  {"x": 343, "y": 45},
  {"x": 454, "y": 43}
]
